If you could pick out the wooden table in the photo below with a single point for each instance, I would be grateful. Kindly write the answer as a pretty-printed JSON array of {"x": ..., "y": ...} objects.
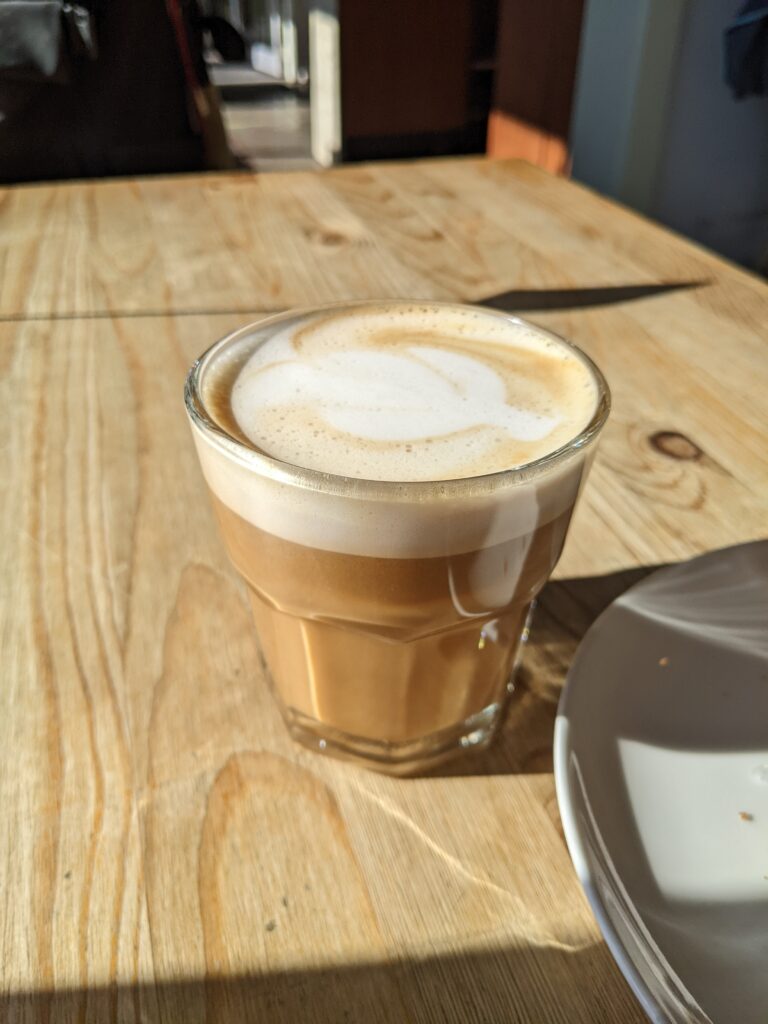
[{"x": 166, "y": 854}]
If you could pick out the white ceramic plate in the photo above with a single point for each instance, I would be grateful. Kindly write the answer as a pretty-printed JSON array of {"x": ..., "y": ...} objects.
[{"x": 661, "y": 764}]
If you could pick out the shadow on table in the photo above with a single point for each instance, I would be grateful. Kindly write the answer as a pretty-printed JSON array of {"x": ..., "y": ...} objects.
[
  {"x": 528, "y": 300},
  {"x": 529, "y": 983},
  {"x": 564, "y": 612}
]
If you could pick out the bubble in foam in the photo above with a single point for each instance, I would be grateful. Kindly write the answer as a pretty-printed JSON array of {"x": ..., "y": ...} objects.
[{"x": 422, "y": 393}]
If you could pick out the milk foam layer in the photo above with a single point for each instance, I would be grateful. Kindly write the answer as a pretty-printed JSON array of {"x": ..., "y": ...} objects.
[
  {"x": 393, "y": 520},
  {"x": 411, "y": 393}
]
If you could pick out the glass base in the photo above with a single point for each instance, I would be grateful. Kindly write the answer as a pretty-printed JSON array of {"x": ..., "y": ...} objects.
[{"x": 412, "y": 757}]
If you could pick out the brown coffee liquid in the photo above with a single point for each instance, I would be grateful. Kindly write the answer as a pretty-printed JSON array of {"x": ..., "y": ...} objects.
[{"x": 390, "y": 649}]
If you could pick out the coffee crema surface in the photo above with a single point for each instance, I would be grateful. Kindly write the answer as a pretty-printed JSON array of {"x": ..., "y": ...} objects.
[{"x": 409, "y": 393}]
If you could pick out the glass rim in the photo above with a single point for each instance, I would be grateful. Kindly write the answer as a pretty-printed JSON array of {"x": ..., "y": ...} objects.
[{"x": 362, "y": 487}]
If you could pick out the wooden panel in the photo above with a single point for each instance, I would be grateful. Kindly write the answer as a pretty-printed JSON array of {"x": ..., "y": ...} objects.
[
  {"x": 536, "y": 56},
  {"x": 404, "y": 66},
  {"x": 166, "y": 854},
  {"x": 158, "y": 824},
  {"x": 457, "y": 229}
]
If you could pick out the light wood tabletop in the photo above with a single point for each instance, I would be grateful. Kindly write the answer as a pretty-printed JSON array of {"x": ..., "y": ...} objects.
[{"x": 166, "y": 853}]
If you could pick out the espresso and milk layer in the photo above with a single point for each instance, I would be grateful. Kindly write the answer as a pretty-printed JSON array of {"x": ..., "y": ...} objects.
[{"x": 411, "y": 393}]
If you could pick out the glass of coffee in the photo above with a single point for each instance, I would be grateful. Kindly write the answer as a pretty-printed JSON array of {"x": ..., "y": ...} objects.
[{"x": 394, "y": 482}]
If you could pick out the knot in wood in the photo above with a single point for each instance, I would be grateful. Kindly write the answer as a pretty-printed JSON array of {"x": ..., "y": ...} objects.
[{"x": 675, "y": 445}]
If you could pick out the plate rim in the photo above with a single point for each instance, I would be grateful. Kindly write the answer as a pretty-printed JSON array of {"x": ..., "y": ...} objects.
[{"x": 576, "y": 850}]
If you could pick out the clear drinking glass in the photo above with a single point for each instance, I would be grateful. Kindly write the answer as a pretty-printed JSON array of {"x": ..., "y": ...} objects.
[{"x": 390, "y": 615}]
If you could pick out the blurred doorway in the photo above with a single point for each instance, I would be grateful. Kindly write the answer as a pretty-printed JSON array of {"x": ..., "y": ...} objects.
[
  {"x": 263, "y": 82},
  {"x": 275, "y": 37}
]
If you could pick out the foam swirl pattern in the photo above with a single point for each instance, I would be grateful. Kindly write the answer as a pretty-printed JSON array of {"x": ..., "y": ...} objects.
[
  {"x": 429, "y": 397},
  {"x": 411, "y": 393}
]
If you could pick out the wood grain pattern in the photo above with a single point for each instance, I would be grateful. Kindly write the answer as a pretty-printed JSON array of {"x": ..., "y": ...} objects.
[
  {"x": 456, "y": 229},
  {"x": 166, "y": 854}
]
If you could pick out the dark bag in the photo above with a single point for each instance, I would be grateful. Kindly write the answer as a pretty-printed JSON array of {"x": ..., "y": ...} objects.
[
  {"x": 39, "y": 39},
  {"x": 138, "y": 103}
]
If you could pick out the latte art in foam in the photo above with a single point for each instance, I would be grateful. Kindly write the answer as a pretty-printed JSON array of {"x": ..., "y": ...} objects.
[
  {"x": 411, "y": 393},
  {"x": 377, "y": 396}
]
